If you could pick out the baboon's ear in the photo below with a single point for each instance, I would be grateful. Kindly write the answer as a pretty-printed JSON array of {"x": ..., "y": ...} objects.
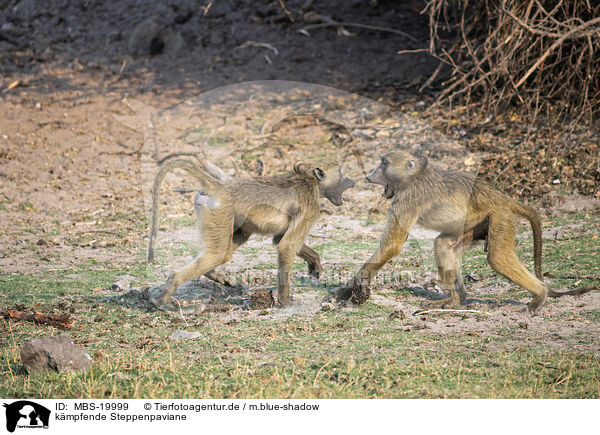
[
  {"x": 319, "y": 174},
  {"x": 424, "y": 162}
]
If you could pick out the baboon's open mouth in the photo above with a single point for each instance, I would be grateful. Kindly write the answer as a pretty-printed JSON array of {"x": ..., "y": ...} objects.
[{"x": 388, "y": 192}]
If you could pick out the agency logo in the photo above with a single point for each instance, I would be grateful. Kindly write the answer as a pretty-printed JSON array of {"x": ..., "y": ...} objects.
[{"x": 25, "y": 414}]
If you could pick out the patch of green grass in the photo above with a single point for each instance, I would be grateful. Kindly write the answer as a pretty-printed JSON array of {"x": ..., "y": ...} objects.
[
  {"x": 340, "y": 354},
  {"x": 180, "y": 221},
  {"x": 45, "y": 288},
  {"x": 573, "y": 260},
  {"x": 591, "y": 315},
  {"x": 343, "y": 353}
]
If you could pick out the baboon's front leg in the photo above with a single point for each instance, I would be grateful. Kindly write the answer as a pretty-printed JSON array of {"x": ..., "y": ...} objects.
[
  {"x": 285, "y": 259},
  {"x": 393, "y": 238}
]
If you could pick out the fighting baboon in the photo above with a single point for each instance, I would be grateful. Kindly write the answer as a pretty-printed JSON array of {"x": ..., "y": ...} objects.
[
  {"x": 311, "y": 258},
  {"x": 228, "y": 213},
  {"x": 464, "y": 209}
]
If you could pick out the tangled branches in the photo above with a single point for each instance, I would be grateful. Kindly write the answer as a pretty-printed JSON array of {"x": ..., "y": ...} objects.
[{"x": 540, "y": 54}]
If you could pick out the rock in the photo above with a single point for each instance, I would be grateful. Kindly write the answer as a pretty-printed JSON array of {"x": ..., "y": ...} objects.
[
  {"x": 25, "y": 10},
  {"x": 182, "y": 334},
  {"x": 183, "y": 9},
  {"x": 326, "y": 306},
  {"x": 152, "y": 37},
  {"x": 366, "y": 134},
  {"x": 140, "y": 41},
  {"x": 57, "y": 353},
  {"x": 123, "y": 283},
  {"x": 221, "y": 8}
]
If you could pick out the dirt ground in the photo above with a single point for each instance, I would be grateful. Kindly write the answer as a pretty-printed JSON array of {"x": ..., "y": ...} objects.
[
  {"x": 70, "y": 188},
  {"x": 68, "y": 166}
]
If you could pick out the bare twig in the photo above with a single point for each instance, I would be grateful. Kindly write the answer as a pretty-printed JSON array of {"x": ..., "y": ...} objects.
[
  {"x": 539, "y": 54},
  {"x": 286, "y": 11},
  {"x": 118, "y": 76},
  {"x": 206, "y": 8},
  {"x": 62, "y": 321},
  {"x": 441, "y": 310},
  {"x": 181, "y": 312},
  {"x": 259, "y": 44},
  {"x": 417, "y": 50},
  {"x": 575, "y": 32}
]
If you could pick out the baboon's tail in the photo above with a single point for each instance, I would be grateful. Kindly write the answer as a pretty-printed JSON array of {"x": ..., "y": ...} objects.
[
  {"x": 536, "y": 225},
  {"x": 206, "y": 180},
  {"x": 534, "y": 218},
  {"x": 575, "y": 292}
]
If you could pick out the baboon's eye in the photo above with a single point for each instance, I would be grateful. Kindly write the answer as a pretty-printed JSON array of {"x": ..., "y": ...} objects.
[
  {"x": 384, "y": 163},
  {"x": 410, "y": 165}
]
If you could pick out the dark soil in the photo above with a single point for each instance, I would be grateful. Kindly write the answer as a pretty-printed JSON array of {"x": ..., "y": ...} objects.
[
  {"x": 261, "y": 299},
  {"x": 91, "y": 38}
]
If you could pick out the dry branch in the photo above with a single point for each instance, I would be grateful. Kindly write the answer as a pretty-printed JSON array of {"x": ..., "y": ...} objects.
[
  {"x": 539, "y": 54},
  {"x": 61, "y": 321}
]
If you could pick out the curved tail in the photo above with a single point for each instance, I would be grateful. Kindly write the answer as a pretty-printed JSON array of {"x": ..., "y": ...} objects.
[
  {"x": 536, "y": 225},
  {"x": 575, "y": 292},
  {"x": 206, "y": 180},
  {"x": 534, "y": 218}
]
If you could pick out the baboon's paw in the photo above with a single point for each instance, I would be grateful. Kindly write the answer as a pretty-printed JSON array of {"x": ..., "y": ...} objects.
[
  {"x": 536, "y": 304},
  {"x": 444, "y": 303},
  {"x": 161, "y": 303},
  {"x": 314, "y": 274}
]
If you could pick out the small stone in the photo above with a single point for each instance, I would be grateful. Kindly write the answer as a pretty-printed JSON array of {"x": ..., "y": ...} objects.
[
  {"x": 397, "y": 314},
  {"x": 57, "y": 353},
  {"x": 579, "y": 204},
  {"x": 142, "y": 36},
  {"x": 123, "y": 283},
  {"x": 326, "y": 306},
  {"x": 523, "y": 325}
]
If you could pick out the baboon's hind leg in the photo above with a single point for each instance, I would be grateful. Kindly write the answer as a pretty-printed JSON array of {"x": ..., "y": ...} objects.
[
  {"x": 219, "y": 278},
  {"x": 204, "y": 262},
  {"x": 312, "y": 260},
  {"x": 447, "y": 257},
  {"x": 239, "y": 238},
  {"x": 216, "y": 234},
  {"x": 504, "y": 260}
]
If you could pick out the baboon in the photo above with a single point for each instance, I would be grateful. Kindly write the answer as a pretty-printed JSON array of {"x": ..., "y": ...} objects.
[
  {"x": 311, "y": 258},
  {"x": 228, "y": 213},
  {"x": 464, "y": 209}
]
